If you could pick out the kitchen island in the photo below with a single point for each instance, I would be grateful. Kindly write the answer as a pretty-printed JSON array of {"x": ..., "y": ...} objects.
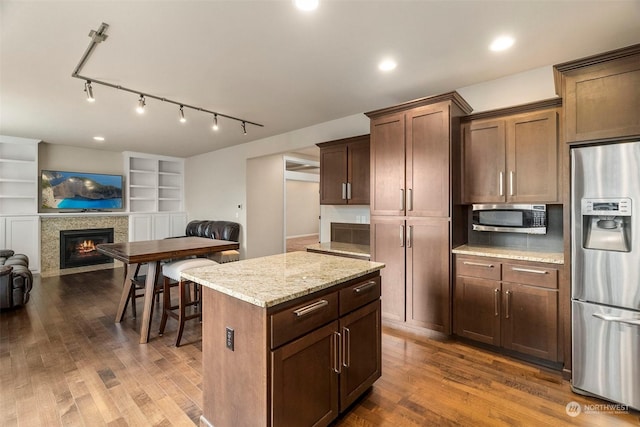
[{"x": 289, "y": 339}]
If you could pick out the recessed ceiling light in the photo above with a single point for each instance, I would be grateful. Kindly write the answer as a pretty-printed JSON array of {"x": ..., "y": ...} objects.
[
  {"x": 306, "y": 5},
  {"x": 501, "y": 43},
  {"x": 387, "y": 65},
  {"x": 99, "y": 138}
]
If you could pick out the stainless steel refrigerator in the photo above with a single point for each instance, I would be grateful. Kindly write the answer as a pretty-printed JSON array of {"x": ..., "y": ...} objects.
[{"x": 605, "y": 271}]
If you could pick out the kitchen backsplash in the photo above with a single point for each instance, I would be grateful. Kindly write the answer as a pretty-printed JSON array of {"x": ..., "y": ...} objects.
[{"x": 550, "y": 242}]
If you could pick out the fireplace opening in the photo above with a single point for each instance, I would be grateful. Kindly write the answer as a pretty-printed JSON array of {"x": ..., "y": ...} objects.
[{"x": 78, "y": 247}]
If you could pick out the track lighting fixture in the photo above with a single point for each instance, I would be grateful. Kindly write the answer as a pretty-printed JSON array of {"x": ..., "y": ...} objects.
[
  {"x": 89, "y": 91},
  {"x": 97, "y": 37},
  {"x": 141, "y": 104}
]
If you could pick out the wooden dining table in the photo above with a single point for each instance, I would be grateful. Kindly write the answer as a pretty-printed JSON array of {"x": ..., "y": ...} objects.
[{"x": 152, "y": 252}]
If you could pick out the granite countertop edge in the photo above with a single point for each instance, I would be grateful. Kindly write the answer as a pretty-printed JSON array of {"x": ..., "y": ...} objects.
[
  {"x": 510, "y": 253},
  {"x": 202, "y": 275},
  {"x": 341, "y": 248}
]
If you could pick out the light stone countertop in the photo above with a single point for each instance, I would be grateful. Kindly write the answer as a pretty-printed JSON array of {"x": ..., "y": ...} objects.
[
  {"x": 340, "y": 248},
  {"x": 272, "y": 280},
  {"x": 510, "y": 253}
]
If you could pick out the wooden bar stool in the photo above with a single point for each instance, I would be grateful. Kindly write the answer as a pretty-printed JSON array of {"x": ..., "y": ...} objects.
[{"x": 171, "y": 272}]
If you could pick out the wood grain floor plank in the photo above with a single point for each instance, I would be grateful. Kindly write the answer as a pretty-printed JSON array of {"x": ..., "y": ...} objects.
[{"x": 63, "y": 361}]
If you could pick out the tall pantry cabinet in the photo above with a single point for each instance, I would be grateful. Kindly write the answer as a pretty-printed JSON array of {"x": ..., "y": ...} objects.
[{"x": 414, "y": 196}]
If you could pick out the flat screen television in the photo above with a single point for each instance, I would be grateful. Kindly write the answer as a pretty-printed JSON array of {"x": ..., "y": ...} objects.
[{"x": 80, "y": 191}]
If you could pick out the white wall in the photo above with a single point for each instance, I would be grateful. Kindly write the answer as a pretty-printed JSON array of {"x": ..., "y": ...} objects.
[
  {"x": 302, "y": 208},
  {"x": 264, "y": 232},
  {"x": 522, "y": 88},
  {"x": 79, "y": 159},
  {"x": 215, "y": 182}
]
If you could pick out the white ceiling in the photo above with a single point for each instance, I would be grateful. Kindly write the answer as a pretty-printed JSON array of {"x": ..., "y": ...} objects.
[{"x": 267, "y": 62}]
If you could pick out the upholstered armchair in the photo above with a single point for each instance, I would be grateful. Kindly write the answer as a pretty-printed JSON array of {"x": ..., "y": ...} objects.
[{"x": 16, "y": 279}]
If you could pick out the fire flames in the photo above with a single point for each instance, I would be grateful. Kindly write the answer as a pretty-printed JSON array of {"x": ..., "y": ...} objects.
[{"x": 85, "y": 247}]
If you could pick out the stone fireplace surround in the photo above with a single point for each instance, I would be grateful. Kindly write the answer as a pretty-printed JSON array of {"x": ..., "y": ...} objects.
[{"x": 50, "y": 227}]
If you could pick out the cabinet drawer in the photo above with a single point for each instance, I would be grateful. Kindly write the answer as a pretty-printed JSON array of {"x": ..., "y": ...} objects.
[
  {"x": 359, "y": 294},
  {"x": 528, "y": 275},
  {"x": 478, "y": 268},
  {"x": 300, "y": 319}
]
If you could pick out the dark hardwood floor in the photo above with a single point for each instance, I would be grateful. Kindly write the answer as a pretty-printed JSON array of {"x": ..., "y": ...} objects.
[{"x": 63, "y": 361}]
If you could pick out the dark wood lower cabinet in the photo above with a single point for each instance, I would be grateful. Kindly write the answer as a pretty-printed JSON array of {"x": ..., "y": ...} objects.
[
  {"x": 324, "y": 372},
  {"x": 361, "y": 357},
  {"x": 478, "y": 309},
  {"x": 522, "y": 317},
  {"x": 304, "y": 380},
  {"x": 530, "y": 321},
  {"x": 297, "y": 364}
]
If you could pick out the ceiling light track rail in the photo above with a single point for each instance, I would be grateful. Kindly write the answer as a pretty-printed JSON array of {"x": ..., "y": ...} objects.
[{"x": 98, "y": 36}]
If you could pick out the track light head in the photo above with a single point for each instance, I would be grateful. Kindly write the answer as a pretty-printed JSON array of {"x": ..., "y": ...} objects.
[
  {"x": 89, "y": 91},
  {"x": 182, "y": 119},
  {"x": 141, "y": 104},
  {"x": 215, "y": 122}
]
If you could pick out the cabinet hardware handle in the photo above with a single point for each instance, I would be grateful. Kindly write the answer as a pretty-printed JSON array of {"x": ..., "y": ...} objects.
[
  {"x": 402, "y": 199},
  {"x": 402, "y": 236},
  {"x": 410, "y": 199},
  {"x": 308, "y": 309},
  {"x": 500, "y": 183},
  {"x": 529, "y": 270},
  {"x": 410, "y": 236},
  {"x": 346, "y": 347},
  {"x": 496, "y": 302},
  {"x": 348, "y": 191},
  {"x": 364, "y": 287},
  {"x": 608, "y": 318},
  {"x": 477, "y": 264},
  {"x": 511, "y": 183},
  {"x": 337, "y": 367},
  {"x": 344, "y": 191},
  {"x": 508, "y": 310}
]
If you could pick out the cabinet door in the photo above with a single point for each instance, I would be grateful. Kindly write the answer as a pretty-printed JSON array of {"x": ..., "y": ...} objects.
[
  {"x": 387, "y": 246},
  {"x": 358, "y": 172},
  {"x": 602, "y": 101},
  {"x": 428, "y": 274},
  {"x": 532, "y": 158},
  {"x": 304, "y": 381},
  {"x": 361, "y": 352},
  {"x": 140, "y": 227},
  {"x": 22, "y": 235},
  {"x": 333, "y": 175},
  {"x": 530, "y": 320},
  {"x": 387, "y": 165},
  {"x": 477, "y": 308},
  {"x": 483, "y": 162},
  {"x": 427, "y": 161}
]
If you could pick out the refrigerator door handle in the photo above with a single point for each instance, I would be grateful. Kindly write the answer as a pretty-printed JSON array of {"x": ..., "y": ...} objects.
[{"x": 627, "y": 320}]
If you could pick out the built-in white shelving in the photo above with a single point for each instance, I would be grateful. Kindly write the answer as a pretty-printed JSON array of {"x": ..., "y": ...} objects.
[
  {"x": 154, "y": 183},
  {"x": 18, "y": 176}
]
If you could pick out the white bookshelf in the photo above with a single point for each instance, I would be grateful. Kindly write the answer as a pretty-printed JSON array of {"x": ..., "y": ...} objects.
[
  {"x": 154, "y": 183},
  {"x": 18, "y": 176}
]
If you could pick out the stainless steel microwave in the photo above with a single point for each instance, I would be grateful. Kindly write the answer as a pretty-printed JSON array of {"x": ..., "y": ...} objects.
[{"x": 510, "y": 218}]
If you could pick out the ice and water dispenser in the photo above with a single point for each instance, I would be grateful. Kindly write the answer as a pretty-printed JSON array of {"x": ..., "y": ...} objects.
[{"x": 607, "y": 224}]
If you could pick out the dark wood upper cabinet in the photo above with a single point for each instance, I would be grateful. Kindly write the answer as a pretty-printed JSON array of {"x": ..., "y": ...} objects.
[
  {"x": 512, "y": 158},
  {"x": 387, "y": 165},
  {"x": 411, "y": 146},
  {"x": 344, "y": 171},
  {"x": 601, "y": 96}
]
